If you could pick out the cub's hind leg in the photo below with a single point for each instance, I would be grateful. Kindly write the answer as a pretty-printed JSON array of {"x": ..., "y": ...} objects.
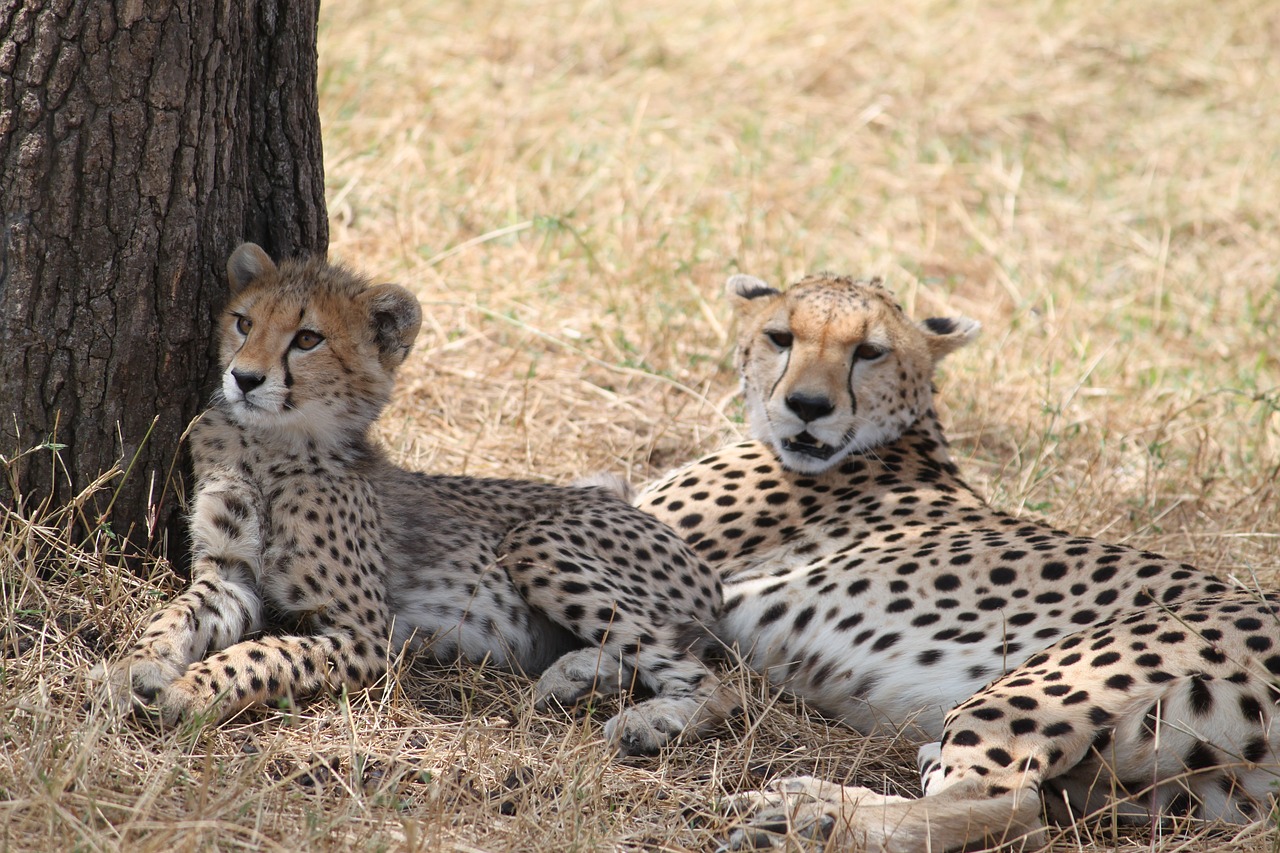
[{"x": 642, "y": 603}]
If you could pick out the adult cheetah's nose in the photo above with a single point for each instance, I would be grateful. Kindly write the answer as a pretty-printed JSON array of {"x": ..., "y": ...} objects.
[
  {"x": 246, "y": 380},
  {"x": 809, "y": 408}
]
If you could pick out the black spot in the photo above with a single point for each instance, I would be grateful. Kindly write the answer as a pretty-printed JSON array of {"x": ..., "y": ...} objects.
[
  {"x": 1201, "y": 757},
  {"x": 1057, "y": 729},
  {"x": 1258, "y": 643},
  {"x": 848, "y": 622},
  {"x": 1120, "y": 681},
  {"x": 999, "y": 756},
  {"x": 1201, "y": 696},
  {"x": 1022, "y": 726},
  {"x": 885, "y": 641},
  {"x": 1053, "y": 570},
  {"x": 1084, "y": 617},
  {"x": 773, "y": 613},
  {"x": 1003, "y": 576},
  {"x": 946, "y": 583},
  {"x": 1213, "y": 655}
]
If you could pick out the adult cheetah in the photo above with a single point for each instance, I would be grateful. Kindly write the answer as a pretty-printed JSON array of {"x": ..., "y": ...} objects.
[
  {"x": 864, "y": 575},
  {"x": 298, "y": 512}
]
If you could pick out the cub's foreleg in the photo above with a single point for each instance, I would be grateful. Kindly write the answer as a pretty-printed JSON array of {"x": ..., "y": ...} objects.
[{"x": 221, "y": 605}]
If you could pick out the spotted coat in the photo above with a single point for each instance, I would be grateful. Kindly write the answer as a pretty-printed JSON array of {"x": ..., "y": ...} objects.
[
  {"x": 299, "y": 516},
  {"x": 864, "y": 575}
]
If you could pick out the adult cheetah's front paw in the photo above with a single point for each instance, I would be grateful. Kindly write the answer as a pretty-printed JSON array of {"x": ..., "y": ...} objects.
[
  {"x": 575, "y": 676},
  {"x": 799, "y": 810}
]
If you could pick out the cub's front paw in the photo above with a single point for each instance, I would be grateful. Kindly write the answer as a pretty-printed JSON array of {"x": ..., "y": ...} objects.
[
  {"x": 648, "y": 726},
  {"x": 134, "y": 683}
]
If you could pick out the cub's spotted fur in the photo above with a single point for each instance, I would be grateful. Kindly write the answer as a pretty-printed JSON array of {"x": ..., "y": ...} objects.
[
  {"x": 298, "y": 512},
  {"x": 863, "y": 574}
]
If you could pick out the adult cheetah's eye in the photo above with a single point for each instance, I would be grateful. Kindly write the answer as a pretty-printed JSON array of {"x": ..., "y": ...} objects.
[
  {"x": 243, "y": 324},
  {"x": 307, "y": 339},
  {"x": 781, "y": 340},
  {"x": 868, "y": 352}
]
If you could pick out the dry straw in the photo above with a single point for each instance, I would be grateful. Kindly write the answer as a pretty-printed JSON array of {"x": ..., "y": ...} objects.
[{"x": 565, "y": 186}]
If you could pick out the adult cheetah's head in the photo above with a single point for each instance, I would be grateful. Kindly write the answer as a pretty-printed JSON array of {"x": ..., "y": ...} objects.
[
  {"x": 833, "y": 366},
  {"x": 310, "y": 347}
]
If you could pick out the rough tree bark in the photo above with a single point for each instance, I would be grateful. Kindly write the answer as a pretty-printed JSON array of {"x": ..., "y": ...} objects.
[{"x": 139, "y": 144}]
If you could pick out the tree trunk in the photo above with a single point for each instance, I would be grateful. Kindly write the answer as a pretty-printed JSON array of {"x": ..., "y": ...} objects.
[{"x": 139, "y": 144}]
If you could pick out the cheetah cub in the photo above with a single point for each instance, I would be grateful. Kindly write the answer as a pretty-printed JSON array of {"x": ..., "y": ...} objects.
[
  {"x": 297, "y": 512},
  {"x": 864, "y": 575}
]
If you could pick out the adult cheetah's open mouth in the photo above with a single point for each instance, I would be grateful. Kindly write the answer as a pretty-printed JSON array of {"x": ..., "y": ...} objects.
[{"x": 807, "y": 445}]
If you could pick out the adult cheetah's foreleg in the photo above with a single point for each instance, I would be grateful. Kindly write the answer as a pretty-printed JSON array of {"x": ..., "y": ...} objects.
[{"x": 856, "y": 818}]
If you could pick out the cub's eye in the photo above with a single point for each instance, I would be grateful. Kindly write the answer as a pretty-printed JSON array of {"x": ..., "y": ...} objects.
[
  {"x": 781, "y": 340},
  {"x": 307, "y": 339},
  {"x": 243, "y": 324},
  {"x": 868, "y": 352}
]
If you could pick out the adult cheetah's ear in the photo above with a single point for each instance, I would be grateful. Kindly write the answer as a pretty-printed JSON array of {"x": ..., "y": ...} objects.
[
  {"x": 944, "y": 335},
  {"x": 741, "y": 289},
  {"x": 396, "y": 317},
  {"x": 247, "y": 264}
]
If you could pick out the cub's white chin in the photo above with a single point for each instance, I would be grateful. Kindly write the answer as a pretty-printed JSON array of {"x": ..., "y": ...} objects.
[{"x": 251, "y": 414}]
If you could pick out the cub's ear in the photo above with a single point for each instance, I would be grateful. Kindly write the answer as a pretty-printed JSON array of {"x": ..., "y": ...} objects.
[
  {"x": 395, "y": 317},
  {"x": 945, "y": 335},
  {"x": 741, "y": 289},
  {"x": 247, "y": 264}
]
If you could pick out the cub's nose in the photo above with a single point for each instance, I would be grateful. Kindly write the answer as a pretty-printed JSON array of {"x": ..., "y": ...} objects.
[
  {"x": 247, "y": 381},
  {"x": 809, "y": 407}
]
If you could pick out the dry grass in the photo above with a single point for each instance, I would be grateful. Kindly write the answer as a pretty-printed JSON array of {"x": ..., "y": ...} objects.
[{"x": 566, "y": 186}]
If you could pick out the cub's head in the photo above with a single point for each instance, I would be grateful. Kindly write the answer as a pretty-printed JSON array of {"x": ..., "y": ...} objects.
[
  {"x": 310, "y": 347},
  {"x": 833, "y": 366}
]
